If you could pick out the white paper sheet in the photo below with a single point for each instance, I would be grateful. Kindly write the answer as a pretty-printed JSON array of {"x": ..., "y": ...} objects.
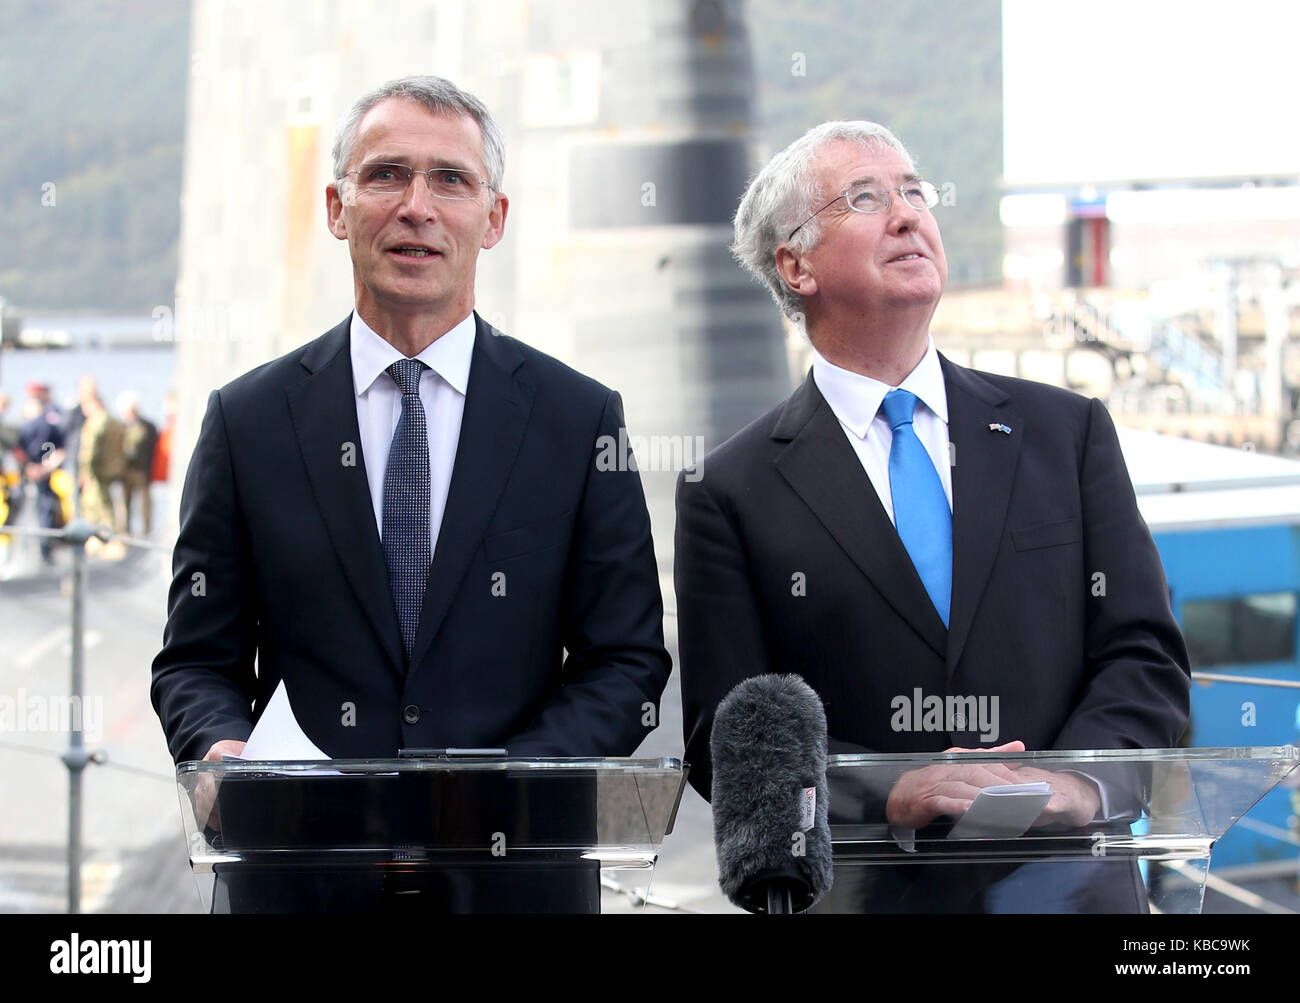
[
  {"x": 1003, "y": 812},
  {"x": 277, "y": 734}
]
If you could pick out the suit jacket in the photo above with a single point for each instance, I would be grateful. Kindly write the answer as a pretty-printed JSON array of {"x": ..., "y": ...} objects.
[
  {"x": 541, "y": 628},
  {"x": 786, "y": 561}
]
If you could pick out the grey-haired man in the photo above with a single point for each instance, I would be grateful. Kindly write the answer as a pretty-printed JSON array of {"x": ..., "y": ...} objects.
[
  {"x": 903, "y": 527},
  {"x": 402, "y": 520}
]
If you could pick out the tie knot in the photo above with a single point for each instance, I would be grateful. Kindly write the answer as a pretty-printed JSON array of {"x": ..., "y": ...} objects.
[
  {"x": 899, "y": 406},
  {"x": 406, "y": 374}
]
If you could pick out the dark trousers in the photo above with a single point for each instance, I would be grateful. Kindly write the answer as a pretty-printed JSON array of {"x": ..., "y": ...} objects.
[{"x": 49, "y": 514}]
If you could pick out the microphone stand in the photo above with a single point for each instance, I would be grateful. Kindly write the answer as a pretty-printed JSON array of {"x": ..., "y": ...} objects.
[{"x": 778, "y": 900}]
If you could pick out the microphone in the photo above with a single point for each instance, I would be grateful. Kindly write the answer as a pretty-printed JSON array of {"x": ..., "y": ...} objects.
[{"x": 769, "y": 795}]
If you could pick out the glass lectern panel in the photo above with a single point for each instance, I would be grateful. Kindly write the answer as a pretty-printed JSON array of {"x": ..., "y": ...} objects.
[
  {"x": 466, "y": 834},
  {"x": 1145, "y": 849}
]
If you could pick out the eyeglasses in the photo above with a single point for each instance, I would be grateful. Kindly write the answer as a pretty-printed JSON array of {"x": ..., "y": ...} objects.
[
  {"x": 386, "y": 180},
  {"x": 873, "y": 198}
]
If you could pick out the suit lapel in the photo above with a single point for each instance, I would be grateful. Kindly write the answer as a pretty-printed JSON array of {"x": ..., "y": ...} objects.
[
  {"x": 822, "y": 468},
  {"x": 982, "y": 474},
  {"x": 322, "y": 408},
  {"x": 498, "y": 402}
]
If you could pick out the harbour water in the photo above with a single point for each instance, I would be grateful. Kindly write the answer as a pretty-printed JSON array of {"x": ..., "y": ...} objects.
[{"x": 147, "y": 370}]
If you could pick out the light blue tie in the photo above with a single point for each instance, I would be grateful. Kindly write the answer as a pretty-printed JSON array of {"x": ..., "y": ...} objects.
[
  {"x": 406, "y": 503},
  {"x": 921, "y": 511}
]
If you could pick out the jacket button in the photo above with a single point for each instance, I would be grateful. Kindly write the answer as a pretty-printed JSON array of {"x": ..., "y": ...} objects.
[{"x": 411, "y": 713}]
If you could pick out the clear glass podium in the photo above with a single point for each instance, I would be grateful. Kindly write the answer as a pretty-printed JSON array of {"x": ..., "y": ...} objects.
[
  {"x": 431, "y": 835},
  {"x": 1147, "y": 851}
]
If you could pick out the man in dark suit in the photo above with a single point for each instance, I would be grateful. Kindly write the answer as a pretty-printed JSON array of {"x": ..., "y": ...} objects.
[
  {"x": 402, "y": 520},
  {"x": 903, "y": 528}
]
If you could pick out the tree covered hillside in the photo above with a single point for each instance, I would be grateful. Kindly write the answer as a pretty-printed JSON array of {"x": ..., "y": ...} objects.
[{"x": 93, "y": 97}]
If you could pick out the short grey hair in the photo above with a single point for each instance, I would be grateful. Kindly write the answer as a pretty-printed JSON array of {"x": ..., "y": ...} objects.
[
  {"x": 128, "y": 401},
  {"x": 784, "y": 193},
  {"x": 439, "y": 96}
]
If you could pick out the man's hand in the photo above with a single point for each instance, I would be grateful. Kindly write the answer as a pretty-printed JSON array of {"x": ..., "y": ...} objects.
[
  {"x": 1075, "y": 799},
  {"x": 205, "y": 790},
  {"x": 226, "y": 747},
  {"x": 922, "y": 795}
]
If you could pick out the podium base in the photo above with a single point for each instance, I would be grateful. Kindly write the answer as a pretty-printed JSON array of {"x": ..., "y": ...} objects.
[
  {"x": 497, "y": 888},
  {"x": 1063, "y": 886}
]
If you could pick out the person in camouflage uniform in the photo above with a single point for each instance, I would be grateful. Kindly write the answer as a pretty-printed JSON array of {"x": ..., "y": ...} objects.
[
  {"x": 101, "y": 459},
  {"x": 140, "y": 436}
]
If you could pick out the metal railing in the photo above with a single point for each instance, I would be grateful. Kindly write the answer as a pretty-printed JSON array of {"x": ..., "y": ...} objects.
[
  {"x": 1227, "y": 677},
  {"x": 76, "y": 757}
]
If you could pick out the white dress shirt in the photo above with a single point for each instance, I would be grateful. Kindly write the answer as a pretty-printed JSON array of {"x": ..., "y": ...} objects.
[
  {"x": 855, "y": 400},
  {"x": 379, "y": 406}
]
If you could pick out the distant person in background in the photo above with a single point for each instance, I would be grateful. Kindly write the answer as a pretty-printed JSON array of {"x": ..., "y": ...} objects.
[
  {"x": 139, "y": 438},
  {"x": 74, "y": 419},
  {"x": 101, "y": 457},
  {"x": 8, "y": 432},
  {"x": 40, "y": 450},
  {"x": 162, "y": 452},
  {"x": 41, "y": 392},
  {"x": 10, "y": 480}
]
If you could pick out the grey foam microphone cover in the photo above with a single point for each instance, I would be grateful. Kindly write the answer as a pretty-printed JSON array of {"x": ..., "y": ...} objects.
[{"x": 769, "y": 747}]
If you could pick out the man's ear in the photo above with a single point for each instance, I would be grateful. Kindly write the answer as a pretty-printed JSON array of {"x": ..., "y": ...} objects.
[
  {"x": 496, "y": 222},
  {"x": 794, "y": 271},
  {"x": 334, "y": 212}
]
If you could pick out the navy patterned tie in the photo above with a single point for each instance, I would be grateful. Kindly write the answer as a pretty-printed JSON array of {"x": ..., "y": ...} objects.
[{"x": 406, "y": 502}]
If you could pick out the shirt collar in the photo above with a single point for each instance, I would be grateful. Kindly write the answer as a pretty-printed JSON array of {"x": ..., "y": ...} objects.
[
  {"x": 855, "y": 399},
  {"x": 448, "y": 356}
]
